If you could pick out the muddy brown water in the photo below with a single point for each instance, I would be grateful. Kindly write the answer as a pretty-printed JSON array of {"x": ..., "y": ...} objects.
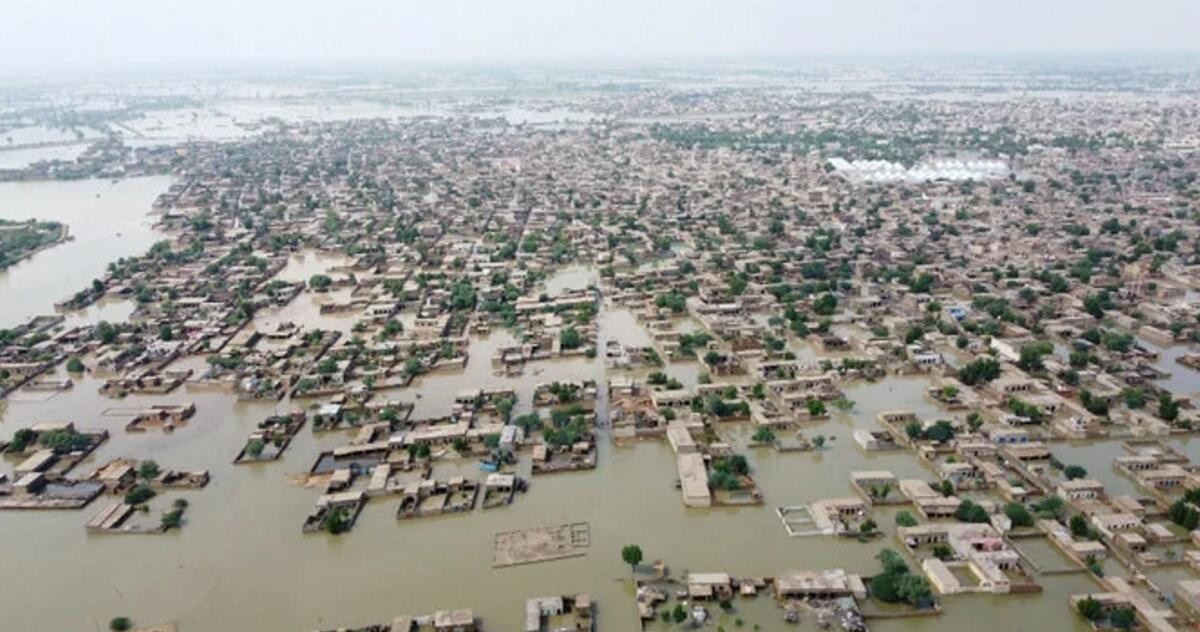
[{"x": 241, "y": 562}]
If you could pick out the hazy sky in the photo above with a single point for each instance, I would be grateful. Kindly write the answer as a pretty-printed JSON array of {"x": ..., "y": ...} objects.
[{"x": 81, "y": 32}]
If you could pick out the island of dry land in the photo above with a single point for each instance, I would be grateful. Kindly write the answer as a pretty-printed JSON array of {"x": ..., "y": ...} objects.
[{"x": 21, "y": 240}]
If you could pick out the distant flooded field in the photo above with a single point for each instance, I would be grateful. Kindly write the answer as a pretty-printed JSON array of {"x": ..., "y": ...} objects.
[{"x": 19, "y": 158}]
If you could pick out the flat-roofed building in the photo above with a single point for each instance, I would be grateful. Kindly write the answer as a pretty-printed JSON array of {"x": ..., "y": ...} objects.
[
  {"x": 828, "y": 584},
  {"x": 680, "y": 438},
  {"x": 462, "y": 620},
  {"x": 940, "y": 575},
  {"x": 1112, "y": 523},
  {"x": 1188, "y": 591},
  {"x": 1080, "y": 489},
  {"x": 709, "y": 586},
  {"x": 693, "y": 480}
]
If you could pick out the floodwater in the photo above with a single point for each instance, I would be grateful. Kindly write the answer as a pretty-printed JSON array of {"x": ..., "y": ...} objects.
[
  {"x": 37, "y": 134},
  {"x": 1182, "y": 381},
  {"x": 241, "y": 562},
  {"x": 24, "y": 157},
  {"x": 24, "y": 146},
  {"x": 108, "y": 220},
  {"x": 165, "y": 127},
  {"x": 237, "y": 118},
  {"x": 574, "y": 277}
]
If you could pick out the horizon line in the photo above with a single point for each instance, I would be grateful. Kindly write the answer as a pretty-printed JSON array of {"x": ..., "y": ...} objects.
[{"x": 553, "y": 59}]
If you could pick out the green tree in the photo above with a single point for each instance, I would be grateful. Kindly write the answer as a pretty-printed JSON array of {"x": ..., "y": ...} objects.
[
  {"x": 418, "y": 450},
  {"x": 21, "y": 440},
  {"x": 1134, "y": 397},
  {"x": 895, "y": 584},
  {"x": 319, "y": 282},
  {"x": 913, "y": 430},
  {"x": 63, "y": 441},
  {"x": 106, "y": 332},
  {"x": 172, "y": 519},
  {"x": 1184, "y": 514},
  {"x": 825, "y": 305},
  {"x": 1095, "y": 304},
  {"x": 1073, "y": 472},
  {"x": 1019, "y": 515},
  {"x": 254, "y": 447},
  {"x": 336, "y": 521},
  {"x": 1122, "y": 618},
  {"x": 914, "y": 590},
  {"x": 941, "y": 431},
  {"x": 570, "y": 338},
  {"x": 505, "y": 407},
  {"x": 883, "y": 587},
  {"x": 843, "y": 403},
  {"x": 391, "y": 328},
  {"x": 1049, "y": 507},
  {"x": 1032, "y": 354},
  {"x": 979, "y": 371},
  {"x": 672, "y": 300},
  {"x": 462, "y": 295},
  {"x": 148, "y": 470},
  {"x": 327, "y": 366},
  {"x": 679, "y": 615},
  {"x": 120, "y": 624},
  {"x": 139, "y": 495},
  {"x": 1168, "y": 407},
  {"x": 412, "y": 366},
  {"x": 1090, "y": 609},
  {"x": 969, "y": 511},
  {"x": 891, "y": 561},
  {"x": 764, "y": 434},
  {"x": 1079, "y": 526},
  {"x": 632, "y": 555}
]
